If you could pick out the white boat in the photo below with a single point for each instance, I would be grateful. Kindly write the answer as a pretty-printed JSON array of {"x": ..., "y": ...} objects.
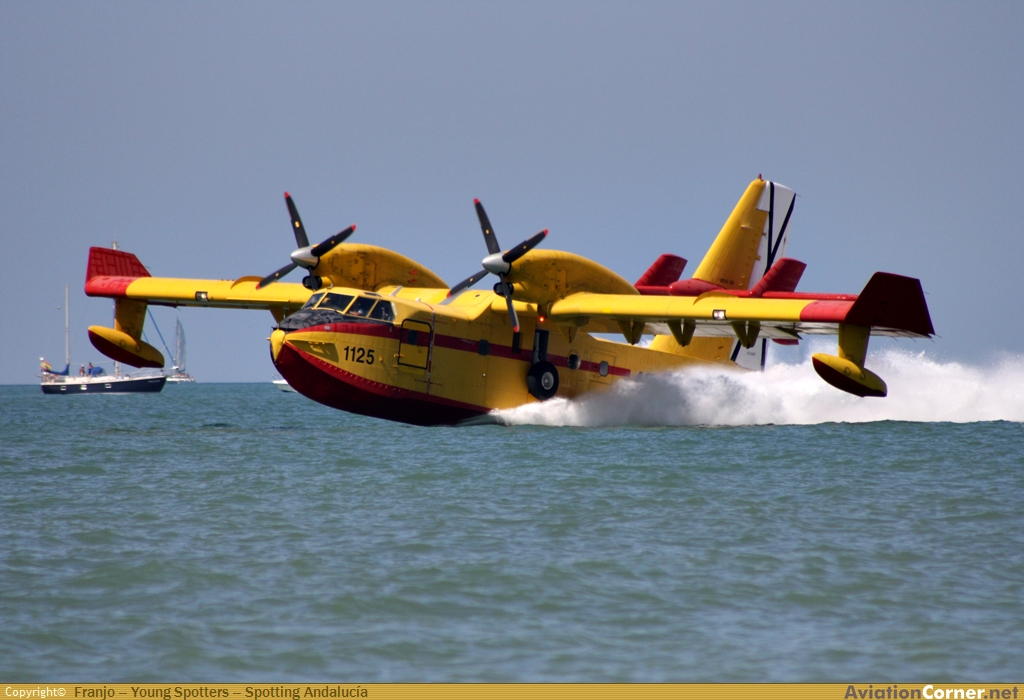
[
  {"x": 283, "y": 385},
  {"x": 93, "y": 380},
  {"x": 178, "y": 374}
]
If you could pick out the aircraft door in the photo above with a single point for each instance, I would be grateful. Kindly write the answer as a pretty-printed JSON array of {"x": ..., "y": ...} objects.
[{"x": 415, "y": 344}]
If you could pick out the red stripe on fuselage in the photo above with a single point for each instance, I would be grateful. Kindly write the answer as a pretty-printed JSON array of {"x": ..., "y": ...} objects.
[{"x": 451, "y": 342}]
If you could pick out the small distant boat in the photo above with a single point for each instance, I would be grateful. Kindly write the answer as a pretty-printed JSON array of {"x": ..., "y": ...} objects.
[
  {"x": 178, "y": 374},
  {"x": 283, "y": 385},
  {"x": 93, "y": 380}
]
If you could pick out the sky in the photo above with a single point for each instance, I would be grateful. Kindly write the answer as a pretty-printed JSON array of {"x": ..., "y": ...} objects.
[{"x": 629, "y": 129}]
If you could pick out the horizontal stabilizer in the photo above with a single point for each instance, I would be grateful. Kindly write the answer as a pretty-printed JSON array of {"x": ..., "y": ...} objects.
[
  {"x": 691, "y": 288},
  {"x": 783, "y": 276},
  {"x": 665, "y": 270}
]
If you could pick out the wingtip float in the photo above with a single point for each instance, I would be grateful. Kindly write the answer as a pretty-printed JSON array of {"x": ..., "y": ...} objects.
[{"x": 373, "y": 332}]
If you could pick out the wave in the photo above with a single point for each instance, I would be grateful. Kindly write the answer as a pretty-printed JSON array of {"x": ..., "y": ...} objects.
[{"x": 921, "y": 389}]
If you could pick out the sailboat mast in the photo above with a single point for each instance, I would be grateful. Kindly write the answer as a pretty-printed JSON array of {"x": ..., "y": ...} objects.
[
  {"x": 179, "y": 346},
  {"x": 117, "y": 365},
  {"x": 67, "y": 331}
]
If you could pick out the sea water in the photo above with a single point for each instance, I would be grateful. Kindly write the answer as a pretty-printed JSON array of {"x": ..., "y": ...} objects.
[{"x": 695, "y": 527}]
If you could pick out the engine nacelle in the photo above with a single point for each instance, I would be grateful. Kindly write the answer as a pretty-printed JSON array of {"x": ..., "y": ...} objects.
[
  {"x": 847, "y": 376},
  {"x": 121, "y": 347}
]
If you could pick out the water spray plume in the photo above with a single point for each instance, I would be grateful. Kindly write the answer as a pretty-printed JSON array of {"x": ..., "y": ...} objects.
[{"x": 921, "y": 389}]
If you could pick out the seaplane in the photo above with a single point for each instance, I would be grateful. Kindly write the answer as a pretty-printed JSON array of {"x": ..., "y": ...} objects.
[{"x": 373, "y": 332}]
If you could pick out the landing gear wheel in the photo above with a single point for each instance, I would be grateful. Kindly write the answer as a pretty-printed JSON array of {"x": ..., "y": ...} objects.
[{"x": 542, "y": 380}]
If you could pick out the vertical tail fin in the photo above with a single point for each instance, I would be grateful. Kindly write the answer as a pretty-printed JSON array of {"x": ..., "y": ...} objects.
[
  {"x": 753, "y": 237},
  {"x": 778, "y": 200}
]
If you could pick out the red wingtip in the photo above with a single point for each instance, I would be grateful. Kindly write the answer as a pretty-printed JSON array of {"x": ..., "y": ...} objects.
[
  {"x": 353, "y": 227},
  {"x": 476, "y": 201},
  {"x": 286, "y": 195},
  {"x": 515, "y": 329},
  {"x": 545, "y": 232}
]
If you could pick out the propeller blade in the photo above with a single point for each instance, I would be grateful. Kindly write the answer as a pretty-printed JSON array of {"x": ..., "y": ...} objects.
[
  {"x": 489, "y": 238},
  {"x": 523, "y": 248},
  {"x": 297, "y": 228},
  {"x": 274, "y": 277},
  {"x": 322, "y": 249},
  {"x": 507, "y": 293},
  {"x": 468, "y": 282}
]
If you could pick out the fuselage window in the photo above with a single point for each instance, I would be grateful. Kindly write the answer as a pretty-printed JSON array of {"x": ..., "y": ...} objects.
[
  {"x": 361, "y": 306},
  {"x": 383, "y": 311},
  {"x": 311, "y": 302},
  {"x": 338, "y": 302}
]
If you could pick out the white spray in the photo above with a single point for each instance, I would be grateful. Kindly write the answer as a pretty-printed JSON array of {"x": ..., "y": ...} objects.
[{"x": 920, "y": 389}]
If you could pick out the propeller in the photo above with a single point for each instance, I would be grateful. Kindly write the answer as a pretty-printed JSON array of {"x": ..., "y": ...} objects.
[
  {"x": 498, "y": 263},
  {"x": 305, "y": 255}
]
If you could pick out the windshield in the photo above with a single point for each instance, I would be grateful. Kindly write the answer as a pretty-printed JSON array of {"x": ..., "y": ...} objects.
[
  {"x": 338, "y": 302},
  {"x": 325, "y": 308},
  {"x": 311, "y": 302},
  {"x": 383, "y": 311},
  {"x": 361, "y": 306}
]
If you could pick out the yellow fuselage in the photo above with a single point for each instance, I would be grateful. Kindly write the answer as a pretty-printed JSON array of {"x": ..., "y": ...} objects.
[{"x": 435, "y": 362}]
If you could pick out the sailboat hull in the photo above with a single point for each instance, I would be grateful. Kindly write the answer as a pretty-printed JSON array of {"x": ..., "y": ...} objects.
[{"x": 104, "y": 385}]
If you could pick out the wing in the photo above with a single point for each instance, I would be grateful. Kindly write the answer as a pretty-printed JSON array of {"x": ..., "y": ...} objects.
[
  {"x": 167, "y": 291},
  {"x": 121, "y": 277},
  {"x": 890, "y": 305}
]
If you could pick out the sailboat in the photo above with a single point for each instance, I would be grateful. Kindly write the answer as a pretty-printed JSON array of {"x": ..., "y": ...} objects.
[
  {"x": 178, "y": 374},
  {"x": 95, "y": 380}
]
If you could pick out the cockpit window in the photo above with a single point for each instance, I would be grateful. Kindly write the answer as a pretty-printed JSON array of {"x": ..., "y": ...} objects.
[
  {"x": 325, "y": 308},
  {"x": 311, "y": 302},
  {"x": 361, "y": 306},
  {"x": 338, "y": 302},
  {"x": 383, "y": 311}
]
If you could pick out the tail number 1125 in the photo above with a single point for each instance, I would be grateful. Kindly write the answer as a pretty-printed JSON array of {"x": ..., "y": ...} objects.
[{"x": 361, "y": 355}]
